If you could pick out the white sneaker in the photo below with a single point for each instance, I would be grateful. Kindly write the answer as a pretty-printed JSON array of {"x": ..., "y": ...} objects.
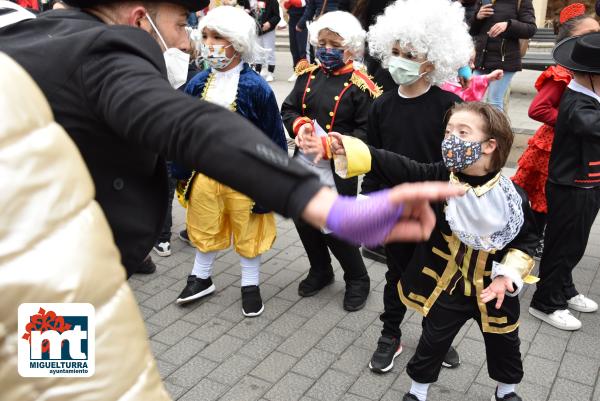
[
  {"x": 162, "y": 249},
  {"x": 293, "y": 78},
  {"x": 269, "y": 77},
  {"x": 264, "y": 72},
  {"x": 561, "y": 319},
  {"x": 581, "y": 303}
]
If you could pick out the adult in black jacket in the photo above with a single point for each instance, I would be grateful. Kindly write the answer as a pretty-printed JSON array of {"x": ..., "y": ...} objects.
[
  {"x": 314, "y": 9},
  {"x": 497, "y": 29},
  {"x": 105, "y": 80}
]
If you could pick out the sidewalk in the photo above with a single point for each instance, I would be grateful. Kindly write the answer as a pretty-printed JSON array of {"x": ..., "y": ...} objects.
[{"x": 311, "y": 349}]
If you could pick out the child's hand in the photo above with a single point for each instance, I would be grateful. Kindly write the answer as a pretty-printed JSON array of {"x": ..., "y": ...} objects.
[
  {"x": 314, "y": 145},
  {"x": 497, "y": 289},
  {"x": 305, "y": 131},
  {"x": 337, "y": 144},
  {"x": 495, "y": 75}
]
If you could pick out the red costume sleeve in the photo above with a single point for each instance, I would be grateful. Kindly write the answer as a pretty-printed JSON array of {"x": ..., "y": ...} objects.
[{"x": 544, "y": 107}]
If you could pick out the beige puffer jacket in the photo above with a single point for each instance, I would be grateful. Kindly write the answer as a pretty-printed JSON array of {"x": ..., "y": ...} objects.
[{"x": 56, "y": 246}]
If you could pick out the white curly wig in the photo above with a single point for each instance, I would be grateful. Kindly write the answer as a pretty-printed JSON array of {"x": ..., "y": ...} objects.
[
  {"x": 432, "y": 28},
  {"x": 344, "y": 24},
  {"x": 235, "y": 25}
]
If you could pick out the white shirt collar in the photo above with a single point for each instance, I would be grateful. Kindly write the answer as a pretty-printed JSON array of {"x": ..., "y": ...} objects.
[
  {"x": 577, "y": 87},
  {"x": 412, "y": 97}
]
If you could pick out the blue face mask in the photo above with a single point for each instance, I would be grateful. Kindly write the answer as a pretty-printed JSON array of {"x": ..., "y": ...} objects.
[{"x": 331, "y": 59}]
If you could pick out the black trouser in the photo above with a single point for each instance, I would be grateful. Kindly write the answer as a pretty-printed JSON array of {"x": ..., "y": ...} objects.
[
  {"x": 571, "y": 213},
  {"x": 317, "y": 244},
  {"x": 165, "y": 235},
  {"x": 397, "y": 258},
  {"x": 540, "y": 222},
  {"x": 446, "y": 317},
  {"x": 298, "y": 40}
]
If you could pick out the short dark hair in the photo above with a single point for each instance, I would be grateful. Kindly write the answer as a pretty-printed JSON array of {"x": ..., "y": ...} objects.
[{"x": 496, "y": 125}]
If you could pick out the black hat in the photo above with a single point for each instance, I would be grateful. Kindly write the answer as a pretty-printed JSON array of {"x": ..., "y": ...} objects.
[
  {"x": 191, "y": 5},
  {"x": 579, "y": 53}
]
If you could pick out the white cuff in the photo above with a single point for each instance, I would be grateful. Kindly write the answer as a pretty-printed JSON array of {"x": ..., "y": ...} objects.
[{"x": 498, "y": 269}]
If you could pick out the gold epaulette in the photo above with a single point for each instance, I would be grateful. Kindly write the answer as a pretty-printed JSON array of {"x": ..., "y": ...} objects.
[
  {"x": 365, "y": 82},
  {"x": 303, "y": 68},
  {"x": 183, "y": 188}
]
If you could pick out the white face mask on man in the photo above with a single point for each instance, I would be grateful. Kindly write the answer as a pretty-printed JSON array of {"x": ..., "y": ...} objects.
[{"x": 176, "y": 60}]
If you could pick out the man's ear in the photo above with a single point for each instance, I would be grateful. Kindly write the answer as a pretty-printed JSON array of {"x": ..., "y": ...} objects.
[
  {"x": 428, "y": 67},
  {"x": 137, "y": 18}
]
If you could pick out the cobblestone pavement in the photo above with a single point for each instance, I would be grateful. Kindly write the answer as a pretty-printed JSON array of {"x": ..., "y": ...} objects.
[{"x": 311, "y": 349}]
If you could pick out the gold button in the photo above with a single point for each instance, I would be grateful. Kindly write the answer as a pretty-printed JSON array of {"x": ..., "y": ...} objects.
[
  {"x": 303, "y": 106},
  {"x": 345, "y": 83},
  {"x": 328, "y": 126},
  {"x": 331, "y": 114},
  {"x": 308, "y": 89},
  {"x": 336, "y": 98},
  {"x": 312, "y": 77}
]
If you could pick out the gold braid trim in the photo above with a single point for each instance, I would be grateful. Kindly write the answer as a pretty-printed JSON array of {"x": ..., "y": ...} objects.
[
  {"x": 365, "y": 82},
  {"x": 303, "y": 68}
]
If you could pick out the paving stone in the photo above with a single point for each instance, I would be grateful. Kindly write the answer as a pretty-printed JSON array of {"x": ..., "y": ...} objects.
[
  {"x": 274, "y": 265},
  {"x": 372, "y": 386},
  {"x": 182, "y": 351},
  {"x": 222, "y": 348},
  {"x": 233, "y": 313},
  {"x": 273, "y": 367},
  {"x": 146, "y": 312},
  {"x": 290, "y": 292},
  {"x": 539, "y": 370},
  {"x": 157, "y": 284},
  {"x": 248, "y": 328},
  {"x": 471, "y": 351},
  {"x": 232, "y": 370},
  {"x": 353, "y": 397},
  {"x": 165, "y": 368},
  {"x": 206, "y": 390},
  {"x": 393, "y": 395},
  {"x": 202, "y": 311},
  {"x": 331, "y": 386},
  {"x": 152, "y": 329},
  {"x": 248, "y": 389},
  {"x": 299, "y": 264},
  {"x": 308, "y": 307},
  {"x": 337, "y": 340},
  {"x": 191, "y": 372},
  {"x": 175, "y": 332},
  {"x": 157, "y": 348},
  {"x": 314, "y": 363},
  {"x": 459, "y": 379},
  {"x": 212, "y": 330},
  {"x": 358, "y": 321},
  {"x": 322, "y": 322},
  {"x": 141, "y": 297},
  {"x": 174, "y": 391},
  {"x": 268, "y": 291},
  {"x": 161, "y": 300},
  {"x": 224, "y": 280},
  {"x": 262, "y": 345},
  {"x": 353, "y": 360},
  {"x": 275, "y": 307},
  {"x": 548, "y": 347},
  {"x": 299, "y": 343},
  {"x": 567, "y": 390},
  {"x": 579, "y": 368},
  {"x": 292, "y": 253},
  {"x": 287, "y": 324},
  {"x": 481, "y": 392},
  {"x": 283, "y": 278},
  {"x": 584, "y": 344},
  {"x": 168, "y": 315},
  {"x": 290, "y": 388},
  {"x": 226, "y": 296},
  {"x": 369, "y": 337}
]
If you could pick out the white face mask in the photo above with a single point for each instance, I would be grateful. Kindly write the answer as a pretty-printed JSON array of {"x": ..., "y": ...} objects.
[{"x": 177, "y": 61}]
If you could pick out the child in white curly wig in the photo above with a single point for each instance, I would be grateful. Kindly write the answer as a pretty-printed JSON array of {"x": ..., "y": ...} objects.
[{"x": 423, "y": 43}]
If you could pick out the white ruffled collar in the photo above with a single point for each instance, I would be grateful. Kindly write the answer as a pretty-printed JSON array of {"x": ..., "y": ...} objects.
[{"x": 487, "y": 217}]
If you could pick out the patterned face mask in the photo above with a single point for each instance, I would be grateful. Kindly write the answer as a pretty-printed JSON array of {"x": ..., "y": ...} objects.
[
  {"x": 459, "y": 154},
  {"x": 217, "y": 57},
  {"x": 331, "y": 59}
]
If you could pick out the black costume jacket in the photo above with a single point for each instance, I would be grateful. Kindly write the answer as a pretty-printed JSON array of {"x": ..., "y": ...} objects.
[
  {"x": 340, "y": 102},
  {"x": 107, "y": 86},
  {"x": 575, "y": 155},
  {"x": 444, "y": 263}
]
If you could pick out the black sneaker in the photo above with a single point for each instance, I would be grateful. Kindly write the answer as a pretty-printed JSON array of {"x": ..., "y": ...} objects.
[
  {"x": 313, "y": 284},
  {"x": 183, "y": 235},
  {"x": 162, "y": 248},
  {"x": 452, "y": 359},
  {"x": 146, "y": 267},
  {"x": 507, "y": 397},
  {"x": 195, "y": 288},
  {"x": 409, "y": 397},
  {"x": 388, "y": 348},
  {"x": 377, "y": 254},
  {"x": 356, "y": 294},
  {"x": 252, "y": 304}
]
